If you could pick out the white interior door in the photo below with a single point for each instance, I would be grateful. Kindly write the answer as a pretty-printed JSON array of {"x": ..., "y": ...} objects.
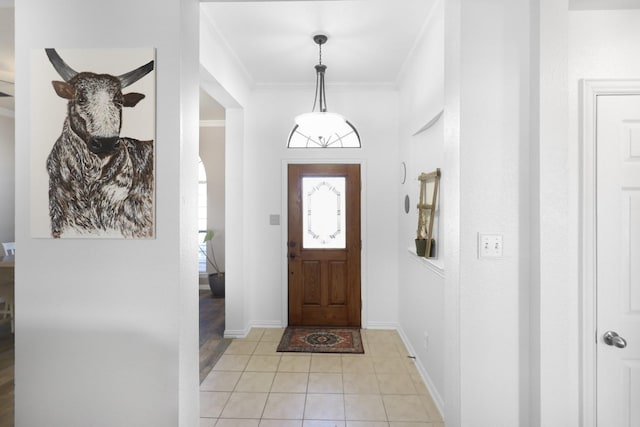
[{"x": 618, "y": 260}]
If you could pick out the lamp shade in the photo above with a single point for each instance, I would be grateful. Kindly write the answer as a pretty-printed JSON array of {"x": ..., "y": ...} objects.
[{"x": 323, "y": 130}]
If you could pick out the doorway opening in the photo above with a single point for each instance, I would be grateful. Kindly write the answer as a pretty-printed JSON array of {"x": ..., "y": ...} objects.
[{"x": 211, "y": 222}]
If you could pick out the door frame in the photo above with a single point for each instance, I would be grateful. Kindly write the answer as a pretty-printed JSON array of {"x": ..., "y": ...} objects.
[
  {"x": 590, "y": 89},
  {"x": 285, "y": 232}
]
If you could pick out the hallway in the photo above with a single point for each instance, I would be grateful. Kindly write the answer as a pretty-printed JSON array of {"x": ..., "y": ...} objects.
[{"x": 252, "y": 385}]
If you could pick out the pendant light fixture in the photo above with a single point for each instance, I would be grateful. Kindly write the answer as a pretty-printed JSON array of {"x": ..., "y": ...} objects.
[{"x": 320, "y": 128}]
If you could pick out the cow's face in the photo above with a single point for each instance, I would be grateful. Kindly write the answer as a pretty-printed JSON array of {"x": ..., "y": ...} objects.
[{"x": 95, "y": 109}]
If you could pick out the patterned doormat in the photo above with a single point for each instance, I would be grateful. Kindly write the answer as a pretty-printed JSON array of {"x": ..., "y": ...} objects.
[{"x": 321, "y": 340}]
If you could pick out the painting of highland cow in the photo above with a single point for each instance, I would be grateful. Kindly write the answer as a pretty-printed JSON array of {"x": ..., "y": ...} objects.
[{"x": 98, "y": 147}]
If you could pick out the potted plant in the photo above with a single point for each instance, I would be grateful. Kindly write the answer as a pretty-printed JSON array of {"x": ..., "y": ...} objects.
[
  {"x": 421, "y": 242},
  {"x": 216, "y": 280},
  {"x": 421, "y": 238}
]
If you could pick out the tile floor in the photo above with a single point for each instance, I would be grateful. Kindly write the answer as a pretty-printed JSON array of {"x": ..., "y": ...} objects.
[{"x": 252, "y": 385}]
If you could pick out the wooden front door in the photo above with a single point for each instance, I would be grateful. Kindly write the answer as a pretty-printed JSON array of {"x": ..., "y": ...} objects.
[{"x": 324, "y": 245}]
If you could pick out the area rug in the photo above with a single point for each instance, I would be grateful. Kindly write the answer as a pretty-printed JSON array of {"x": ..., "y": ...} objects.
[{"x": 321, "y": 340}]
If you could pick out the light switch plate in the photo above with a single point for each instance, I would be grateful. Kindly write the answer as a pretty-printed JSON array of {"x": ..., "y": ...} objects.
[
  {"x": 274, "y": 219},
  {"x": 489, "y": 245}
]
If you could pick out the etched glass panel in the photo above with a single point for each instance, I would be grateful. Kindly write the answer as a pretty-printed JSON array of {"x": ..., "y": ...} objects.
[{"x": 323, "y": 213}]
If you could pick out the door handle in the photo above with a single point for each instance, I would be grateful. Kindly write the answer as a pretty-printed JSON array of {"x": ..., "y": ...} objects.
[
  {"x": 292, "y": 255},
  {"x": 613, "y": 339}
]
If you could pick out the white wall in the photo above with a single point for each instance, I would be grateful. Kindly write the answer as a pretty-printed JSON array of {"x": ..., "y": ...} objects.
[
  {"x": 603, "y": 44},
  {"x": 106, "y": 330},
  {"x": 7, "y": 181},
  {"x": 420, "y": 285},
  {"x": 554, "y": 289},
  {"x": 212, "y": 155},
  {"x": 224, "y": 79},
  {"x": 269, "y": 118},
  {"x": 486, "y": 135}
]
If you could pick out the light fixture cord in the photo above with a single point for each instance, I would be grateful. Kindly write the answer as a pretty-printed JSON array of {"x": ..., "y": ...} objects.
[
  {"x": 320, "y": 83},
  {"x": 315, "y": 100}
]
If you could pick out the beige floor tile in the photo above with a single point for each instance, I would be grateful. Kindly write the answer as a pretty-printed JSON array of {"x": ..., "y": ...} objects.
[
  {"x": 220, "y": 381},
  {"x": 389, "y": 365},
  {"x": 280, "y": 423},
  {"x": 267, "y": 347},
  {"x": 290, "y": 382},
  {"x": 383, "y": 350},
  {"x": 285, "y": 406},
  {"x": 421, "y": 388},
  {"x": 263, "y": 363},
  {"x": 432, "y": 408},
  {"x": 364, "y": 407},
  {"x": 320, "y": 382},
  {"x": 244, "y": 405},
  {"x": 412, "y": 369},
  {"x": 208, "y": 422},
  {"x": 355, "y": 364},
  {"x": 231, "y": 362},
  {"x": 405, "y": 408},
  {"x": 405, "y": 424},
  {"x": 295, "y": 363},
  {"x": 321, "y": 423},
  {"x": 380, "y": 336},
  {"x": 241, "y": 347},
  {"x": 253, "y": 385},
  {"x": 360, "y": 383},
  {"x": 255, "y": 334},
  {"x": 396, "y": 384},
  {"x": 212, "y": 403},
  {"x": 255, "y": 381},
  {"x": 272, "y": 334},
  {"x": 237, "y": 423},
  {"x": 326, "y": 363},
  {"x": 367, "y": 424},
  {"x": 324, "y": 407}
]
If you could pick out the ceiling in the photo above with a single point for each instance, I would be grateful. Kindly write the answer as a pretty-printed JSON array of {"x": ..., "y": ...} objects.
[{"x": 369, "y": 40}]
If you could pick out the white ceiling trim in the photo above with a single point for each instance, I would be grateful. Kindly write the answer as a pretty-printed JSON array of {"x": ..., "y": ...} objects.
[
  {"x": 7, "y": 87},
  {"x": 216, "y": 31},
  {"x": 416, "y": 43},
  {"x": 328, "y": 86},
  {"x": 212, "y": 123},
  {"x": 603, "y": 4}
]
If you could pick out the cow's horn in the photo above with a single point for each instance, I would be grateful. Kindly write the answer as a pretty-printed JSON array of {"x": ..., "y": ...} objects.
[
  {"x": 133, "y": 76},
  {"x": 66, "y": 72}
]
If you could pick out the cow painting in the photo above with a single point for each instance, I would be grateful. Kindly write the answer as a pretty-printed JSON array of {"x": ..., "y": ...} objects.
[{"x": 100, "y": 183}]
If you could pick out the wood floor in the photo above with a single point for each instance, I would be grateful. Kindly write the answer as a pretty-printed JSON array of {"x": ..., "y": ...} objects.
[
  {"x": 212, "y": 342},
  {"x": 6, "y": 375},
  {"x": 212, "y": 345}
]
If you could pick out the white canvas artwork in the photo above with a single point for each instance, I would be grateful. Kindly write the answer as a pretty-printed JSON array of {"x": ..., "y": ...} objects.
[{"x": 93, "y": 143}]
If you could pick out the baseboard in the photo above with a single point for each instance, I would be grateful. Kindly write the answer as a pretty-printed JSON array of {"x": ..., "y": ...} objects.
[
  {"x": 267, "y": 324},
  {"x": 437, "y": 398},
  {"x": 382, "y": 325},
  {"x": 236, "y": 333},
  {"x": 242, "y": 333}
]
